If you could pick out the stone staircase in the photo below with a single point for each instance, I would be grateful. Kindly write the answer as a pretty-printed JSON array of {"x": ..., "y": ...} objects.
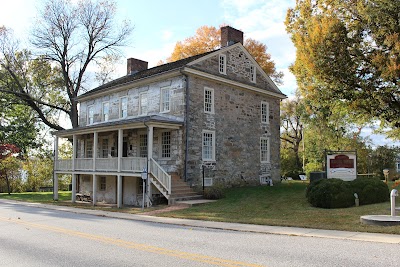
[{"x": 181, "y": 191}]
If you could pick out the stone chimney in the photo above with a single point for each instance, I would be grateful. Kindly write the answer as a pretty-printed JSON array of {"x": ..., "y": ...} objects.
[
  {"x": 135, "y": 65},
  {"x": 230, "y": 36}
]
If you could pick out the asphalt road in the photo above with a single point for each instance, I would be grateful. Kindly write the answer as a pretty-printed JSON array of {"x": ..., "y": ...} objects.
[{"x": 31, "y": 236}]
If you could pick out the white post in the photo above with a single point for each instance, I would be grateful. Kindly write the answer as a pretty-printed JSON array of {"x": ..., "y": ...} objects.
[
  {"x": 95, "y": 141},
  {"x": 120, "y": 142},
  {"x": 55, "y": 167},
  {"x": 393, "y": 194},
  {"x": 119, "y": 191},
  {"x": 74, "y": 144},
  {"x": 94, "y": 196},
  {"x": 73, "y": 188},
  {"x": 149, "y": 157}
]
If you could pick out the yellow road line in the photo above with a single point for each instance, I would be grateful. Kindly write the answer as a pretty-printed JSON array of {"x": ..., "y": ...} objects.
[{"x": 133, "y": 245}]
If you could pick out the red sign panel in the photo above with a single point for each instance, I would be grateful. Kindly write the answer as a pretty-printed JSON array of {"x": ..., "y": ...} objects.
[{"x": 341, "y": 161}]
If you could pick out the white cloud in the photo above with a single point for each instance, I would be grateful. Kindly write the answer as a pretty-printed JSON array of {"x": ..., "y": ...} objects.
[{"x": 167, "y": 35}]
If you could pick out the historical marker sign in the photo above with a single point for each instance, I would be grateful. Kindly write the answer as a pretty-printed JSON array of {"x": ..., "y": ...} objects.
[{"x": 342, "y": 165}]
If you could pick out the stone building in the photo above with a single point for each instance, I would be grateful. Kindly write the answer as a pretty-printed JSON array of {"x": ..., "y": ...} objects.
[{"x": 211, "y": 118}]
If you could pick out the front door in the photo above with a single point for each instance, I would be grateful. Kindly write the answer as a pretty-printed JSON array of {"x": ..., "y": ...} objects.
[{"x": 125, "y": 149}]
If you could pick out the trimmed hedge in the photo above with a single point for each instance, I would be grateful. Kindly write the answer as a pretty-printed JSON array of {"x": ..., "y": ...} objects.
[
  {"x": 213, "y": 192},
  {"x": 331, "y": 194},
  {"x": 336, "y": 193},
  {"x": 370, "y": 190}
]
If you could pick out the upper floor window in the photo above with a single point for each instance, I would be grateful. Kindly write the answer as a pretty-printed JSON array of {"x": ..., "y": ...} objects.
[
  {"x": 253, "y": 73},
  {"x": 166, "y": 144},
  {"x": 90, "y": 114},
  {"x": 89, "y": 148},
  {"x": 264, "y": 112},
  {"x": 222, "y": 64},
  {"x": 106, "y": 111},
  {"x": 264, "y": 150},
  {"x": 165, "y": 99},
  {"x": 208, "y": 146},
  {"x": 143, "y": 103},
  {"x": 208, "y": 100},
  {"x": 143, "y": 145},
  {"x": 123, "y": 107},
  {"x": 104, "y": 148}
]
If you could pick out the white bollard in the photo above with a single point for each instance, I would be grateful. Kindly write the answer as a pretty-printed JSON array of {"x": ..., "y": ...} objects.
[{"x": 393, "y": 194}]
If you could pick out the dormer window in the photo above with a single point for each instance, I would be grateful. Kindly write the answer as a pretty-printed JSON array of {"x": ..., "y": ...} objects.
[
  {"x": 253, "y": 74},
  {"x": 222, "y": 64}
]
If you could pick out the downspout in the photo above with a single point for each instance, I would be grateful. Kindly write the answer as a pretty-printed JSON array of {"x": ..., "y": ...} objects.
[{"x": 186, "y": 127}]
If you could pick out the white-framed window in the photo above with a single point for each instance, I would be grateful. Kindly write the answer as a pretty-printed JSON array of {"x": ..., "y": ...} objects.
[
  {"x": 264, "y": 112},
  {"x": 104, "y": 148},
  {"x": 165, "y": 144},
  {"x": 208, "y": 100},
  {"x": 103, "y": 183},
  {"x": 90, "y": 114},
  {"x": 143, "y": 104},
  {"x": 208, "y": 145},
  {"x": 89, "y": 148},
  {"x": 253, "y": 73},
  {"x": 264, "y": 150},
  {"x": 143, "y": 145},
  {"x": 123, "y": 107},
  {"x": 105, "y": 111},
  {"x": 165, "y": 99},
  {"x": 222, "y": 64}
]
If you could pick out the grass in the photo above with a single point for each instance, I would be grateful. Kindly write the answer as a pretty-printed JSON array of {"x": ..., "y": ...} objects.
[
  {"x": 284, "y": 205},
  {"x": 281, "y": 205}
]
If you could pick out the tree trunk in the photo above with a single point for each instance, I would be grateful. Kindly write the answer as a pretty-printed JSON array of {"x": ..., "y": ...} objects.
[
  {"x": 8, "y": 185},
  {"x": 74, "y": 114}
]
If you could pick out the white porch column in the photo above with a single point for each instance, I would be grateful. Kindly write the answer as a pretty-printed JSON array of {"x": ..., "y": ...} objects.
[
  {"x": 120, "y": 142},
  {"x": 95, "y": 141},
  {"x": 73, "y": 188},
  {"x": 150, "y": 138},
  {"x": 119, "y": 191},
  {"x": 74, "y": 144},
  {"x": 55, "y": 167},
  {"x": 94, "y": 195}
]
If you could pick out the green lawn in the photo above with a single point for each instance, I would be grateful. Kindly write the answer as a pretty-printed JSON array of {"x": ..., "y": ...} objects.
[{"x": 282, "y": 205}]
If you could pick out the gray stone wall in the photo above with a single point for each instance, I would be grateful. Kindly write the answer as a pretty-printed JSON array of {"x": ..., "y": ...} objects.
[
  {"x": 238, "y": 129},
  {"x": 177, "y": 87}
]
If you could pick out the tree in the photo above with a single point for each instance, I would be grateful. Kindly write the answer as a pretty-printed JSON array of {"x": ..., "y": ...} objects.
[
  {"x": 17, "y": 124},
  {"x": 208, "y": 38},
  {"x": 69, "y": 37},
  {"x": 348, "y": 52},
  {"x": 292, "y": 115},
  {"x": 8, "y": 163}
]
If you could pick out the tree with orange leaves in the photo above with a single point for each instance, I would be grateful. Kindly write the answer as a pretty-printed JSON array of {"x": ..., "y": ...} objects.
[
  {"x": 208, "y": 38},
  {"x": 8, "y": 163}
]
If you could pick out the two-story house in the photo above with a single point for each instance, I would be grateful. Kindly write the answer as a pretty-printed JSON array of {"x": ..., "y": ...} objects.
[{"x": 211, "y": 118}]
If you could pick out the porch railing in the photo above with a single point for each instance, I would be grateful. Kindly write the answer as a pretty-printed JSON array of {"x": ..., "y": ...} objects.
[
  {"x": 160, "y": 175},
  {"x": 128, "y": 164}
]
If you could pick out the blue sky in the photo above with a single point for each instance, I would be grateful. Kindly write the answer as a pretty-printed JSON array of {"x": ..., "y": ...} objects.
[{"x": 159, "y": 24}]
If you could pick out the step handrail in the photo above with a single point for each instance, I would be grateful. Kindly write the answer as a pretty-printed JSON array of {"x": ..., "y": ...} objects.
[{"x": 160, "y": 175}]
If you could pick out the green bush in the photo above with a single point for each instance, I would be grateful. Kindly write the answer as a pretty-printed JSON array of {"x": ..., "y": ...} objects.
[
  {"x": 213, "y": 192},
  {"x": 370, "y": 190},
  {"x": 330, "y": 194}
]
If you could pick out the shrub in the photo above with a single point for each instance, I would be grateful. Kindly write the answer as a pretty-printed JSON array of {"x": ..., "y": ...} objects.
[
  {"x": 213, "y": 192},
  {"x": 370, "y": 190},
  {"x": 330, "y": 193}
]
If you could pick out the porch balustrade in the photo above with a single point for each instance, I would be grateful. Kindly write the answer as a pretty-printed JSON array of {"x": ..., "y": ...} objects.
[
  {"x": 161, "y": 175},
  {"x": 128, "y": 164}
]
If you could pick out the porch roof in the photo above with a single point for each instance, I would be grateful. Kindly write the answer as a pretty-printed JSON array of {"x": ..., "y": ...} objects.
[{"x": 138, "y": 122}]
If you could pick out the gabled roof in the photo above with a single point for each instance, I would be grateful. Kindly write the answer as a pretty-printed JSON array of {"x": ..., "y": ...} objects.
[{"x": 145, "y": 73}]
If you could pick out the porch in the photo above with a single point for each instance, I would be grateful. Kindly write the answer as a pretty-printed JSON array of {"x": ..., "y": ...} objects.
[{"x": 121, "y": 149}]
